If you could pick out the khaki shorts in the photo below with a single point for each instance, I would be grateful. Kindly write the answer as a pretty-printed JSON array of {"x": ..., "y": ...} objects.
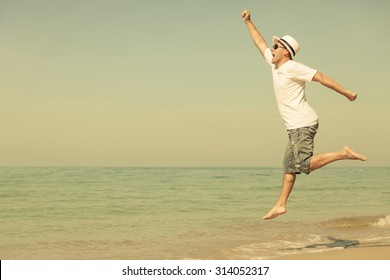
[{"x": 299, "y": 150}]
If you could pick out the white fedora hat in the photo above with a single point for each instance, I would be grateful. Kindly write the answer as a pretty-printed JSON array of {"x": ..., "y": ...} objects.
[{"x": 289, "y": 42}]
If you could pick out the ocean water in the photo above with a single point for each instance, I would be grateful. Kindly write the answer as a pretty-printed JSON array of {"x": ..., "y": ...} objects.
[{"x": 187, "y": 213}]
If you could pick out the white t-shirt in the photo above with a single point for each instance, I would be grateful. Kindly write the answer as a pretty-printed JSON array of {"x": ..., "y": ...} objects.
[{"x": 289, "y": 86}]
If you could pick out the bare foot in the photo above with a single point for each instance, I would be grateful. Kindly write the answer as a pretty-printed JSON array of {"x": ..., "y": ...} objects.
[
  {"x": 275, "y": 211},
  {"x": 350, "y": 154}
]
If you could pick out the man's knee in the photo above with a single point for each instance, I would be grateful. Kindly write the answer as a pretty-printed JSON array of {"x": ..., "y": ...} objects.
[{"x": 289, "y": 177}]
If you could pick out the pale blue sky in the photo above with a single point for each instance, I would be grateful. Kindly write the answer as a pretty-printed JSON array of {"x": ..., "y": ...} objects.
[{"x": 180, "y": 83}]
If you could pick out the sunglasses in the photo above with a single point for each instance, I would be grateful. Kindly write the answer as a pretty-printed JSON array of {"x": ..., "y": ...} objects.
[{"x": 276, "y": 46}]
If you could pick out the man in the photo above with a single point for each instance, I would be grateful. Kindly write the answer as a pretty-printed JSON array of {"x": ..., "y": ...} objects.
[{"x": 289, "y": 79}]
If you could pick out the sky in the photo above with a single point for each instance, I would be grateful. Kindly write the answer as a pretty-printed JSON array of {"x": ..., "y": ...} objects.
[{"x": 180, "y": 83}]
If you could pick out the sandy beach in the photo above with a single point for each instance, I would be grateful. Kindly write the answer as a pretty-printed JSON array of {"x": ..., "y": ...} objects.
[{"x": 355, "y": 253}]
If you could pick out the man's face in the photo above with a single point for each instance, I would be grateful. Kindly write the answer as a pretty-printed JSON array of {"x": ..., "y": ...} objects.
[{"x": 277, "y": 52}]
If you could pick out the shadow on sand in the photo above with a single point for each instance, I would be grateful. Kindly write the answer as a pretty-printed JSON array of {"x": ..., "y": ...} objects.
[{"x": 335, "y": 243}]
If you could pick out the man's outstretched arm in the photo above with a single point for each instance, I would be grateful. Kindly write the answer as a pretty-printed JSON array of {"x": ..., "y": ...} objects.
[
  {"x": 255, "y": 34},
  {"x": 330, "y": 83}
]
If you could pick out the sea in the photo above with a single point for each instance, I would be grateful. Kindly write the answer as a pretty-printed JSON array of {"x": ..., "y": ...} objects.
[{"x": 127, "y": 213}]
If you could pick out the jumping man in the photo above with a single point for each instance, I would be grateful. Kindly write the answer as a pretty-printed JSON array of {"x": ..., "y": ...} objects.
[{"x": 289, "y": 79}]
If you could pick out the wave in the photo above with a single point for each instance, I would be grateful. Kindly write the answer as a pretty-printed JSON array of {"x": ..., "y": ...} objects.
[
  {"x": 359, "y": 221},
  {"x": 383, "y": 221}
]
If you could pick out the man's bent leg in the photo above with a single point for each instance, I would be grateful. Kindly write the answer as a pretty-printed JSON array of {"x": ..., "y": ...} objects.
[
  {"x": 280, "y": 206},
  {"x": 318, "y": 161}
]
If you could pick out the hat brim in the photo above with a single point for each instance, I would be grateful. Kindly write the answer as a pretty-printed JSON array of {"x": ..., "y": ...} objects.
[{"x": 276, "y": 39}]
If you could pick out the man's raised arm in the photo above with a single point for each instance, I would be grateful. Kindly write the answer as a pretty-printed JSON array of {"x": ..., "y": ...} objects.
[{"x": 255, "y": 34}]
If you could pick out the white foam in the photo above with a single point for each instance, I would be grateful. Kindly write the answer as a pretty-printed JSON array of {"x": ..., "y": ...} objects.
[{"x": 383, "y": 221}]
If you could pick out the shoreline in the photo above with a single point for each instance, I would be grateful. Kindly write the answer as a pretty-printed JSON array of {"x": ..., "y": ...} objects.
[{"x": 378, "y": 252}]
